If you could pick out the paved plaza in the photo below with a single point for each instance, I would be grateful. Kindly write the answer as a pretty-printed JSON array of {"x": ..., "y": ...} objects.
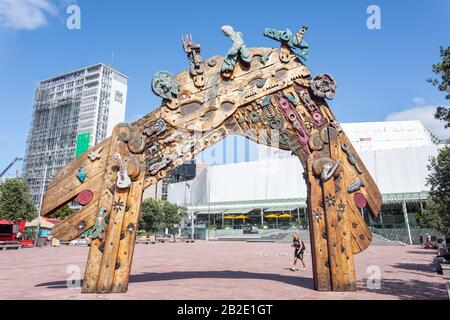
[{"x": 219, "y": 270}]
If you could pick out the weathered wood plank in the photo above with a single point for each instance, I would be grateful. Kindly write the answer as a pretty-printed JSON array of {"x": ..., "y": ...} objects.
[
  {"x": 317, "y": 228},
  {"x": 70, "y": 229},
  {"x": 92, "y": 269},
  {"x": 342, "y": 268},
  {"x": 126, "y": 245},
  {"x": 66, "y": 190}
]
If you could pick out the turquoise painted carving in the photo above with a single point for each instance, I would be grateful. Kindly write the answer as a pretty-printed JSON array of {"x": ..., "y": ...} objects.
[
  {"x": 100, "y": 225},
  {"x": 164, "y": 85},
  {"x": 238, "y": 50},
  {"x": 294, "y": 41},
  {"x": 81, "y": 175}
]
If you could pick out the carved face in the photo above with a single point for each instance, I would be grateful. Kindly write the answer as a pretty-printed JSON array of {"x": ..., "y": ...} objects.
[{"x": 285, "y": 55}]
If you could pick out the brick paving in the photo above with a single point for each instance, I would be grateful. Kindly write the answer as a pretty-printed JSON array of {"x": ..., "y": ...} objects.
[{"x": 219, "y": 270}]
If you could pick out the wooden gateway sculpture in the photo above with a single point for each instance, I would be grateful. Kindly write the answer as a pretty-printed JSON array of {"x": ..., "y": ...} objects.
[{"x": 266, "y": 95}]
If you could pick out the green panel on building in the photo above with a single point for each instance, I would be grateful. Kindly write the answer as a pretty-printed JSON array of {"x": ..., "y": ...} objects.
[{"x": 83, "y": 140}]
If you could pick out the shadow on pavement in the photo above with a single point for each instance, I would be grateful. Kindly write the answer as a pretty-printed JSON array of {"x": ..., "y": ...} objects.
[
  {"x": 411, "y": 289},
  {"x": 179, "y": 275},
  {"x": 430, "y": 252},
  {"x": 415, "y": 267}
]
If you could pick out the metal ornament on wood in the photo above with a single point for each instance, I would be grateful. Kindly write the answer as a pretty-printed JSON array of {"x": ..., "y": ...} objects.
[
  {"x": 164, "y": 85},
  {"x": 94, "y": 155},
  {"x": 81, "y": 175},
  {"x": 324, "y": 86},
  {"x": 100, "y": 225}
]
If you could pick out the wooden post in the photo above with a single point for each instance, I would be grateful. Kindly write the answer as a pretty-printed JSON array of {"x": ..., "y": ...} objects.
[
  {"x": 317, "y": 231},
  {"x": 129, "y": 232},
  {"x": 92, "y": 270}
]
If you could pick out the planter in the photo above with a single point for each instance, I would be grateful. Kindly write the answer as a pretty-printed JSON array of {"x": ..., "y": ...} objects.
[{"x": 26, "y": 243}]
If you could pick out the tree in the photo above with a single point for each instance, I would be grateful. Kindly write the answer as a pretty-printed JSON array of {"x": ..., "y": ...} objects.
[
  {"x": 437, "y": 214},
  {"x": 15, "y": 202},
  {"x": 157, "y": 214},
  {"x": 443, "y": 70},
  {"x": 62, "y": 213}
]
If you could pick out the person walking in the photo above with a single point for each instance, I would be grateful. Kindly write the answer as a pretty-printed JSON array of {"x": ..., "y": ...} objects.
[{"x": 299, "y": 250}]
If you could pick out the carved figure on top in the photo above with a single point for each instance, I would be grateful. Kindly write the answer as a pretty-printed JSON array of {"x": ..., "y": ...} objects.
[
  {"x": 294, "y": 42},
  {"x": 164, "y": 85},
  {"x": 193, "y": 53},
  {"x": 238, "y": 50}
]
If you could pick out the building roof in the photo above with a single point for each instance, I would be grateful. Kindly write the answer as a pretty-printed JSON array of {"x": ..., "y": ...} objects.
[
  {"x": 81, "y": 69},
  {"x": 5, "y": 222},
  {"x": 399, "y": 173}
]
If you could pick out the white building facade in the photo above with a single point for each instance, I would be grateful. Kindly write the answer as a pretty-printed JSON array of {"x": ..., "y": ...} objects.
[
  {"x": 72, "y": 112},
  {"x": 395, "y": 153}
]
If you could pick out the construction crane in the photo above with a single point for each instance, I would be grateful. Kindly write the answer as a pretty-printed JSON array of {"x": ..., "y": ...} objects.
[{"x": 10, "y": 165}]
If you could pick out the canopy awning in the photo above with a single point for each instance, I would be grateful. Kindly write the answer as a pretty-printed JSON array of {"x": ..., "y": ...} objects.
[
  {"x": 238, "y": 210},
  {"x": 43, "y": 224},
  {"x": 281, "y": 208},
  {"x": 286, "y": 215}
]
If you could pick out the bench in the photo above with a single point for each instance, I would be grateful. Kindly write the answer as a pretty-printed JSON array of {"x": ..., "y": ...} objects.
[
  {"x": 146, "y": 241},
  {"x": 5, "y": 245},
  {"x": 448, "y": 290},
  {"x": 445, "y": 268}
]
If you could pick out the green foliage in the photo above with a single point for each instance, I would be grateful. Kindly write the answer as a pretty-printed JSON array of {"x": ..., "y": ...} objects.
[
  {"x": 29, "y": 233},
  {"x": 62, "y": 213},
  {"x": 158, "y": 214},
  {"x": 437, "y": 214},
  {"x": 15, "y": 202},
  {"x": 442, "y": 69}
]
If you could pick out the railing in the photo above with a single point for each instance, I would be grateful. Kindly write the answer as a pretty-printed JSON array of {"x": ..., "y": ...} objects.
[
  {"x": 401, "y": 234},
  {"x": 239, "y": 233}
]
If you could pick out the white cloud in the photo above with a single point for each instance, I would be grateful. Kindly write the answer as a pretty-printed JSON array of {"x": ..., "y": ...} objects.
[
  {"x": 26, "y": 14},
  {"x": 419, "y": 101},
  {"x": 424, "y": 114}
]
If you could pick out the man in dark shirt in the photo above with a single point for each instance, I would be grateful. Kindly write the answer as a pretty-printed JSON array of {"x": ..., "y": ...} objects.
[{"x": 299, "y": 250}]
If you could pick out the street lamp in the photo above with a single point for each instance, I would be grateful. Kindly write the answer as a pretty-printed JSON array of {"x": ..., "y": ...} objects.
[
  {"x": 38, "y": 218},
  {"x": 188, "y": 186}
]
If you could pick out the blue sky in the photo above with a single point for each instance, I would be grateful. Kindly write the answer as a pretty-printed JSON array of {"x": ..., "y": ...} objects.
[{"x": 380, "y": 73}]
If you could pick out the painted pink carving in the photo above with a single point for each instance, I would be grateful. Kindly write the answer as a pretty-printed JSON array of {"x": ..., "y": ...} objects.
[{"x": 291, "y": 114}]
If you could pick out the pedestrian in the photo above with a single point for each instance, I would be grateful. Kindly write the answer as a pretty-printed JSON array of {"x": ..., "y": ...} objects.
[
  {"x": 427, "y": 244},
  {"x": 421, "y": 240},
  {"x": 299, "y": 249}
]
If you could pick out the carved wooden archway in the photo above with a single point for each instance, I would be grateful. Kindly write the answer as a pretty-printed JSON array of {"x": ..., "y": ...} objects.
[{"x": 264, "y": 94}]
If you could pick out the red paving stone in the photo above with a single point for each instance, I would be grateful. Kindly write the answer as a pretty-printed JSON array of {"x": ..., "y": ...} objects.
[{"x": 219, "y": 270}]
